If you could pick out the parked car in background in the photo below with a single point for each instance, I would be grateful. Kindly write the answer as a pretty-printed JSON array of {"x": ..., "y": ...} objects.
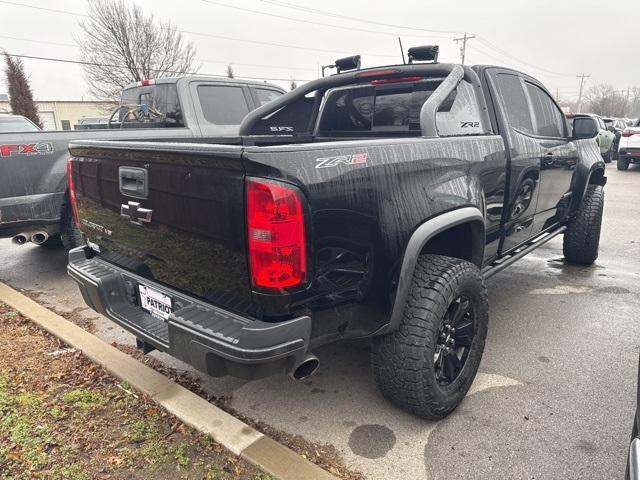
[
  {"x": 605, "y": 138},
  {"x": 34, "y": 202},
  {"x": 16, "y": 124},
  {"x": 615, "y": 126},
  {"x": 629, "y": 149},
  {"x": 372, "y": 203}
]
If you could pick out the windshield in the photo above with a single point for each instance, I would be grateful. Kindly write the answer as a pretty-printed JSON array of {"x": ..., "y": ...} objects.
[
  {"x": 16, "y": 125},
  {"x": 151, "y": 106}
]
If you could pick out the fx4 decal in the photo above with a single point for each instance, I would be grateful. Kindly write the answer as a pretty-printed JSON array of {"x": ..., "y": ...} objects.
[
  {"x": 469, "y": 124},
  {"x": 354, "y": 159},
  {"x": 25, "y": 149}
]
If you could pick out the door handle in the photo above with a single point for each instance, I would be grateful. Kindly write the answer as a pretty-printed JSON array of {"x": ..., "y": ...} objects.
[{"x": 133, "y": 182}]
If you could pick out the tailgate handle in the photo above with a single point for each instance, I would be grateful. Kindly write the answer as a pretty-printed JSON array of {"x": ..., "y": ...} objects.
[{"x": 133, "y": 182}]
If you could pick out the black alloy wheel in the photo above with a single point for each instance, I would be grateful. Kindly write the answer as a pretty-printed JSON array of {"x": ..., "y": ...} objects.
[{"x": 454, "y": 340}]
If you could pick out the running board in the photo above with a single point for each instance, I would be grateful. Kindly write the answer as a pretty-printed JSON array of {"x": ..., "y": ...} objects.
[{"x": 520, "y": 252}]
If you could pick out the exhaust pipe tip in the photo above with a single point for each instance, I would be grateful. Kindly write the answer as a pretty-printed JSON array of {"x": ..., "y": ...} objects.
[
  {"x": 307, "y": 367},
  {"x": 20, "y": 239},
  {"x": 39, "y": 237}
]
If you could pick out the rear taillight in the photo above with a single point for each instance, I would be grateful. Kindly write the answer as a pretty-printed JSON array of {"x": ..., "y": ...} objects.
[
  {"x": 276, "y": 235},
  {"x": 73, "y": 200},
  {"x": 629, "y": 132}
]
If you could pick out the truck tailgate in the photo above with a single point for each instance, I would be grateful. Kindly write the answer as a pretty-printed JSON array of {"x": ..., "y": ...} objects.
[{"x": 170, "y": 213}]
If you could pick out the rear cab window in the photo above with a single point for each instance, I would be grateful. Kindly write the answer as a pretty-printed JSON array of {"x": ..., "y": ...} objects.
[
  {"x": 153, "y": 105},
  {"x": 394, "y": 109},
  {"x": 223, "y": 104}
]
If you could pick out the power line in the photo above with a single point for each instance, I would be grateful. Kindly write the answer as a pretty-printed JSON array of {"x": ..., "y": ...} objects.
[
  {"x": 260, "y": 65},
  {"x": 293, "y": 6},
  {"x": 211, "y": 35},
  {"x": 282, "y": 45},
  {"x": 284, "y": 17},
  {"x": 507, "y": 54},
  {"x": 176, "y": 72},
  {"x": 54, "y": 10}
]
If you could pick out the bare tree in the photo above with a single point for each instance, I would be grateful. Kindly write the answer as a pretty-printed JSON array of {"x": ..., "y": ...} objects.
[
  {"x": 20, "y": 96},
  {"x": 633, "y": 105},
  {"x": 121, "y": 45},
  {"x": 603, "y": 99},
  {"x": 293, "y": 85},
  {"x": 230, "y": 73}
]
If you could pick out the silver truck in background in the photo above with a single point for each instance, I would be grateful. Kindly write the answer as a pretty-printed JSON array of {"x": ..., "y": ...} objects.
[{"x": 34, "y": 204}]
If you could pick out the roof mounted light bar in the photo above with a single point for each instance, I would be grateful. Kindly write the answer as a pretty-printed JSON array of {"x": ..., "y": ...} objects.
[
  {"x": 425, "y": 53},
  {"x": 344, "y": 64}
]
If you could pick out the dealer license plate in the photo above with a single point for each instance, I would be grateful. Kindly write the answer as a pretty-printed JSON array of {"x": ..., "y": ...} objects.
[{"x": 156, "y": 303}]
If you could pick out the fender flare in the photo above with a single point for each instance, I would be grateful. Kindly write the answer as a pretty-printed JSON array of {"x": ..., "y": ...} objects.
[{"x": 416, "y": 243}]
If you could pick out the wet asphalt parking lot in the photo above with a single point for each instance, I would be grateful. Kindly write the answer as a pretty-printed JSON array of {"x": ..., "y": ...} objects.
[{"x": 554, "y": 397}]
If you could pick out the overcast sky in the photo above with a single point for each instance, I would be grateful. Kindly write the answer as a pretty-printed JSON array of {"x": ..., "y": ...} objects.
[{"x": 551, "y": 40}]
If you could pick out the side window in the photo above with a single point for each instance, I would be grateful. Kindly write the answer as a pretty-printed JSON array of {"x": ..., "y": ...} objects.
[
  {"x": 514, "y": 102},
  {"x": 549, "y": 119},
  {"x": 460, "y": 113},
  {"x": 265, "y": 95},
  {"x": 223, "y": 105}
]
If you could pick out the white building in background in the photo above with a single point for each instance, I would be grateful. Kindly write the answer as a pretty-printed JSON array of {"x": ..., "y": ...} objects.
[{"x": 63, "y": 115}]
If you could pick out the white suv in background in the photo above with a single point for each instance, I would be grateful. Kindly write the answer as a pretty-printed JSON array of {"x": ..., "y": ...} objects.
[{"x": 629, "y": 148}]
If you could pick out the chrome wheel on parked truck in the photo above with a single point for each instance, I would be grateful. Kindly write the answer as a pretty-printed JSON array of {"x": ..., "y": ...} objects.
[{"x": 427, "y": 366}]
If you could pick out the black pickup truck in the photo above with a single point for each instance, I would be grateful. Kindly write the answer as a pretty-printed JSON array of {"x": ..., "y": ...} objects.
[{"x": 371, "y": 203}]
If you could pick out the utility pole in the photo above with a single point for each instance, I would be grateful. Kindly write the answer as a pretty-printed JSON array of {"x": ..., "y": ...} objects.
[
  {"x": 626, "y": 102},
  {"x": 463, "y": 47},
  {"x": 582, "y": 78}
]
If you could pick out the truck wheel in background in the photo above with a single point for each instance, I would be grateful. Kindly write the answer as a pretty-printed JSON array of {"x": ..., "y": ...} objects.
[
  {"x": 428, "y": 364},
  {"x": 69, "y": 232},
  {"x": 608, "y": 157},
  {"x": 623, "y": 163},
  {"x": 582, "y": 237}
]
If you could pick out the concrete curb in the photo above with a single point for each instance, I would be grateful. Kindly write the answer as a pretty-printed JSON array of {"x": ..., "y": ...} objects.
[{"x": 236, "y": 436}]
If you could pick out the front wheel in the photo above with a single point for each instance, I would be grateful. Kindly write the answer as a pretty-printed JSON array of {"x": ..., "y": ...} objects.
[
  {"x": 428, "y": 364},
  {"x": 582, "y": 237}
]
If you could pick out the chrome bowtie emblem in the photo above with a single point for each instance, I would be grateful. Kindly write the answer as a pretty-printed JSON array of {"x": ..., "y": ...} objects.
[{"x": 135, "y": 213}]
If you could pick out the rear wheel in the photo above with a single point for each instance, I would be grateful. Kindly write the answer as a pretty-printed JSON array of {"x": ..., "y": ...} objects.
[
  {"x": 623, "y": 163},
  {"x": 428, "y": 364},
  {"x": 582, "y": 237}
]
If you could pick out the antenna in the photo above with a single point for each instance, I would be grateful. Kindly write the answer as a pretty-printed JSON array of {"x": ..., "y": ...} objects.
[{"x": 402, "y": 51}]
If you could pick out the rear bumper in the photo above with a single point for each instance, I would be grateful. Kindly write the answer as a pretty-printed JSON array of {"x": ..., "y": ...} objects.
[
  {"x": 630, "y": 154},
  {"x": 29, "y": 212},
  {"x": 209, "y": 338}
]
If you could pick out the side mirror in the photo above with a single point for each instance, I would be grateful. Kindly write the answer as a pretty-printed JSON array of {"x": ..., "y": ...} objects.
[{"x": 584, "y": 127}]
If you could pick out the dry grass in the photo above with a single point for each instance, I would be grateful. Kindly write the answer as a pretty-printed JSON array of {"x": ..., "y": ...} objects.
[{"x": 63, "y": 417}]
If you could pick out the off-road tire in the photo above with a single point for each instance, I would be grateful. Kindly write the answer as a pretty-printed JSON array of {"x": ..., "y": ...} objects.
[
  {"x": 69, "y": 233},
  {"x": 403, "y": 361},
  {"x": 622, "y": 163},
  {"x": 582, "y": 237}
]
